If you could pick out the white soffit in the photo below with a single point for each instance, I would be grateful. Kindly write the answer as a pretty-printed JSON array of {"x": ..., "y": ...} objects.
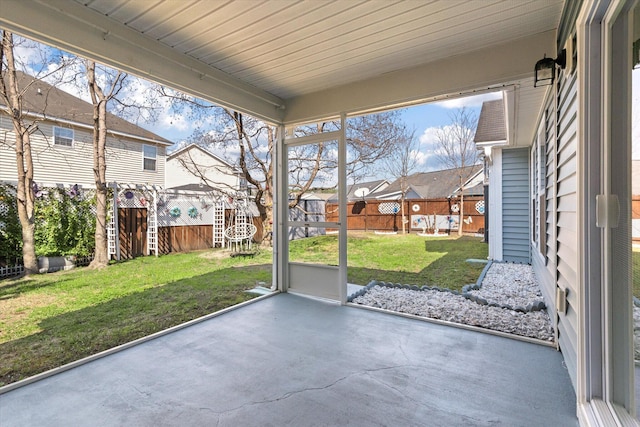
[{"x": 257, "y": 56}]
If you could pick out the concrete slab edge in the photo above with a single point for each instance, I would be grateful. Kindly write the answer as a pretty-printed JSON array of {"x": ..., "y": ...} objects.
[
  {"x": 530, "y": 340},
  {"x": 7, "y": 388}
]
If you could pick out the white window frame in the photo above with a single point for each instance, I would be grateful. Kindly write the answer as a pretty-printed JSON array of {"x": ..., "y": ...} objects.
[
  {"x": 56, "y": 137},
  {"x": 605, "y": 357},
  {"x": 145, "y": 157}
]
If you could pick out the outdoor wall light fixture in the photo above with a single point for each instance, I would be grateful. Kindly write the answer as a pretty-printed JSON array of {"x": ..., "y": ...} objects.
[{"x": 546, "y": 69}]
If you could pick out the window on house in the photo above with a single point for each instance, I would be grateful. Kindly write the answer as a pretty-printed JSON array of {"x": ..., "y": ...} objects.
[
  {"x": 62, "y": 136},
  {"x": 149, "y": 154}
]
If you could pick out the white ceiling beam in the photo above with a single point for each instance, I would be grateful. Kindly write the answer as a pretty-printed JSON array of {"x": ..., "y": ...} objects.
[
  {"x": 73, "y": 27},
  {"x": 486, "y": 68}
]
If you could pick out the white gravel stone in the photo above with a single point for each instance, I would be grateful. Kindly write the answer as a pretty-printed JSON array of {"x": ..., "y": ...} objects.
[{"x": 512, "y": 284}]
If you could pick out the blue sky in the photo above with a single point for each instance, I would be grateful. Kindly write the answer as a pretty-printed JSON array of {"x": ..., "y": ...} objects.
[{"x": 424, "y": 119}]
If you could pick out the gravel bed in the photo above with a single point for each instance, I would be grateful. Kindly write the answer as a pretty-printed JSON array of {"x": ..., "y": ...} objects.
[
  {"x": 513, "y": 285},
  {"x": 504, "y": 284}
]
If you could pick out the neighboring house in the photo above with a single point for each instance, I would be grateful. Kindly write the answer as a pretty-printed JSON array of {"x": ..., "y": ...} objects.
[
  {"x": 440, "y": 184},
  {"x": 195, "y": 173},
  {"x": 62, "y": 150},
  {"x": 62, "y": 145},
  {"x": 196, "y": 167},
  {"x": 509, "y": 177},
  {"x": 430, "y": 203},
  {"x": 361, "y": 190}
]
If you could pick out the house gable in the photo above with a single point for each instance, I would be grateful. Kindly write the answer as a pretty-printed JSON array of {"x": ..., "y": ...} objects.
[{"x": 193, "y": 164}]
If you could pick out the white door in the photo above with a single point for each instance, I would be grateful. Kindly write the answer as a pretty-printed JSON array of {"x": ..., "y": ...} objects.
[{"x": 315, "y": 250}]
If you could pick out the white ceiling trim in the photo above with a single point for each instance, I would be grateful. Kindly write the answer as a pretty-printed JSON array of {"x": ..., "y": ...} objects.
[{"x": 75, "y": 28}]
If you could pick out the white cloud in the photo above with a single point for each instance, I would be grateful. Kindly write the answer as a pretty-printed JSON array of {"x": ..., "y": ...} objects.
[
  {"x": 429, "y": 159},
  {"x": 469, "y": 101}
]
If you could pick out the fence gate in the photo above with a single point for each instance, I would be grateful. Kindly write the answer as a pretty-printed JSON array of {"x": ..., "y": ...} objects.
[{"x": 133, "y": 232}]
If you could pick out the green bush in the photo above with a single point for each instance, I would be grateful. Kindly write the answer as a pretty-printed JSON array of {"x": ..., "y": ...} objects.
[
  {"x": 65, "y": 223},
  {"x": 10, "y": 230}
]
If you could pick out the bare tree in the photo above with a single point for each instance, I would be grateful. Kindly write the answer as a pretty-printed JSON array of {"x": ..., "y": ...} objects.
[
  {"x": 401, "y": 164},
  {"x": 456, "y": 149},
  {"x": 99, "y": 99},
  {"x": 369, "y": 140},
  {"x": 25, "y": 117},
  {"x": 22, "y": 129}
]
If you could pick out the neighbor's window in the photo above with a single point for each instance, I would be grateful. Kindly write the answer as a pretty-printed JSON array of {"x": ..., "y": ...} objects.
[
  {"x": 149, "y": 154},
  {"x": 62, "y": 136}
]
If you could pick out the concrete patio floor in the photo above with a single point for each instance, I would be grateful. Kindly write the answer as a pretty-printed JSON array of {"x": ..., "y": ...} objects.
[{"x": 292, "y": 361}]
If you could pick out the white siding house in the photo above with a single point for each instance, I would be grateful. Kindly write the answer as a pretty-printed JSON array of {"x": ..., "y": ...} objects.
[
  {"x": 576, "y": 132},
  {"x": 62, "y": 145},
  {"x": 193, "y": 164}
]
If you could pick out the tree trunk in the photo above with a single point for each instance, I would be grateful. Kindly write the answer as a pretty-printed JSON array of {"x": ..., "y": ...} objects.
[
  {"x": 24, "y": 160},
  {"x": 403, "y": 215},
  {"x": 460, "y": 220},
  {"x": 101, "y": 254},
  {"x": 29, "y": 259}
]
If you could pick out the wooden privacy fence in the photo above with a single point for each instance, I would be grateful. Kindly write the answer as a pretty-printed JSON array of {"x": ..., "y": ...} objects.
[
  {"x": 192, "y": 237},
  {"x": 377, "y": 215}
]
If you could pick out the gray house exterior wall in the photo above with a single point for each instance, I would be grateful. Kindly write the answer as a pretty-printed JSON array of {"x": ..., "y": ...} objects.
[
  {"x": 515, "y": 206},
  {"x": 567, "y": 220}
]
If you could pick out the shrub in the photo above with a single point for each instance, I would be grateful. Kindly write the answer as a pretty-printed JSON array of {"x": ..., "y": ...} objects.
[
  {"x": 65, "y": 223},
  {"x": 10, "y": 230}
]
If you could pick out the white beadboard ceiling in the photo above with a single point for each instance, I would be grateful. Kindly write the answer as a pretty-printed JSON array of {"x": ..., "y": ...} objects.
[
  {"x": 290, "y": 48},
  {"x": 272, "y": 57}
]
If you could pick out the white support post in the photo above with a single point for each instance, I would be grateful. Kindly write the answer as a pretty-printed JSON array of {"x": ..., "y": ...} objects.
[
  {"x": 342, "y": 208},
  {"x": 280, "y": 231}
]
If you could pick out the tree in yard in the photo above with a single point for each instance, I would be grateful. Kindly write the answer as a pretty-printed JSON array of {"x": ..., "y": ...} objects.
[
  {"x": 99, "y": 99},
  {"x": 105, "y": 86},
  {"x": 13, "y": 86},
  {"x": 401, "y": 164},
  {"x": 455, "y": 149},
  {"x": 369, "y": 139}
]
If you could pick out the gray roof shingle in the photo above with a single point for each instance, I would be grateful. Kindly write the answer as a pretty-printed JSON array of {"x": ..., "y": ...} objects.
[
  {"x": 41, "y": 98},
  {"x": 491, "y": 124},
  {"x": 437, "y": 184}
]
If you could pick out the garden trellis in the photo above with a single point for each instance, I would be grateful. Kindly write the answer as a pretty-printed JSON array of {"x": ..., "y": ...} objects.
[{"x": 180, "y": 220}]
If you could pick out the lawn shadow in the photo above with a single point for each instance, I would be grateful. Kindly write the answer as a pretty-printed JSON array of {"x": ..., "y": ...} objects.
[
  {"x": 74, "y": 335},
  {"x": 14, "y": 287},
  {"x": 448, "y": 271}
]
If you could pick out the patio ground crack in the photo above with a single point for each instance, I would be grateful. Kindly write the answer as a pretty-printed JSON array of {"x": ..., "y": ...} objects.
[{"x": 307, "y": 389}]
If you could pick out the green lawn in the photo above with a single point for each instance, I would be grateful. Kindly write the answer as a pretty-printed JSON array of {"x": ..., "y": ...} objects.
[
  {"x": 49, "y": 320},
  {"x": 53, "y": 319},
  {"x": 408, "y": 259}
]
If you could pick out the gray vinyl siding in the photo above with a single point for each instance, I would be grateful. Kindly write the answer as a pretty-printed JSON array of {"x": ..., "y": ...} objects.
[
  {"x": 516, "y": 229},
  {"x": 566, "y": 238},
  {"x": 74, "y": 165}
]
